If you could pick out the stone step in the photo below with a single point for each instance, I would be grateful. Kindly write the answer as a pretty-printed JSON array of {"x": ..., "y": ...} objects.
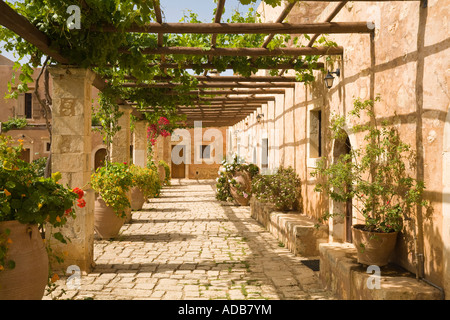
[{"x": 344, "y": 276}]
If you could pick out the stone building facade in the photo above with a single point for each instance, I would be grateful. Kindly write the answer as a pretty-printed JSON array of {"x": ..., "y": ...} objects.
[
  {"x": 193, "y": 153},
  {"x": 35, "y": 136},
  {"x": 407, "y": 64}
]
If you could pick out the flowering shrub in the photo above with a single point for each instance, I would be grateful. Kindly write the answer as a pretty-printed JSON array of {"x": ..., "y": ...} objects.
[
  {"x": 282, "y": 189},
  {"x": 162, "y": 128},
  {"x": 226, "y": 178},
  {"x": 147, "y": 180},
  {"x": 112, "y": 182},
  {"x": 29, "y": 198}
]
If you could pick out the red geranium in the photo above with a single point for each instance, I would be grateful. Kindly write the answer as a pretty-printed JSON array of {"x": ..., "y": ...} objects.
[
  {"x": 79, "y": 192},
  {"x": 81, "y": 203}
]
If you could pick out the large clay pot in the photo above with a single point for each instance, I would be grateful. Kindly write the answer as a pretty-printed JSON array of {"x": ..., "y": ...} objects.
[
  {"x": 373, "y": 248},
  {"x": 106, "y": 222},
  {"x": 243, "y": 178},
  {"x": 137, "y": 199},
  {"x": 28, "y": 279}
]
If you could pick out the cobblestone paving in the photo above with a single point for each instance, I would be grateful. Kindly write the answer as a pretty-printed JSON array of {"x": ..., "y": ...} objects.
[{"x": 187, "y": 245}]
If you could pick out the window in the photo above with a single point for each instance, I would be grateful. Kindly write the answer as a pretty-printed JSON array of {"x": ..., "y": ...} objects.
[
  {"x": 28, "y": 105},
  {"x": 48, "y": 146},
  {"x": 205, "y": 152},
  {"x": 265, "y": 153},
  {"x": 315, "y": 134}
]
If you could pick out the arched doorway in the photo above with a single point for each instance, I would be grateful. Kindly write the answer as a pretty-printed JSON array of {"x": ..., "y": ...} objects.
[
  {"x": 100, "y": 156},
  {"x": 342, "y": 225}
]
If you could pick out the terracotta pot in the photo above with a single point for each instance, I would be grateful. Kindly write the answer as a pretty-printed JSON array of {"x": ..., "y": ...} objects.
[
  {"x": 106, "y": 223},
  {"x": 137, "y": 199},
  {"x": 373, "y": 248},
  {"x": 243, "y": 178},
  {"x": 27, "y": 281}
]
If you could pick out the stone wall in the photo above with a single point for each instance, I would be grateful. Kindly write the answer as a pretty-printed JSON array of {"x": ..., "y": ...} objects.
[
  {"x": 407, "y": 64},
  {"x": 193, "y": 139}
]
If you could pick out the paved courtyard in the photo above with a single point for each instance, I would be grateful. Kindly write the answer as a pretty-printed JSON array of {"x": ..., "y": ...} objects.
[{"x": 187, "y": 245}]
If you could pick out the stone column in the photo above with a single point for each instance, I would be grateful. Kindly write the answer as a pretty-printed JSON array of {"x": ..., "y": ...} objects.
[
  {"x": 140, "y": 144},
  {"x": 71, "y": 156},
  {"x": 120, "y": 148}
]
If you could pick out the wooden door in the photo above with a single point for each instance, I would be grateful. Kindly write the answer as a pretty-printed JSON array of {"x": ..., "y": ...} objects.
[
  {"x": 179, "y": 170},
  {"x": 25, "y": 155}
]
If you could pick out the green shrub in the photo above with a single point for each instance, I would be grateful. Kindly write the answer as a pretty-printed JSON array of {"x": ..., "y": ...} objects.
[
  {"x": 166, "y": 172},
  {"x": 282, "y": 189},
  {"x": 14, "y": 123},
  {"x": 147, "y": 180}
]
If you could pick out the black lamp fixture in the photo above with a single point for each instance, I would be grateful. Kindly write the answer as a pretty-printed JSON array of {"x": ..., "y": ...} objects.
[
  {"x": 329, "y": 78},
  {"x": 259, "y": 117}
]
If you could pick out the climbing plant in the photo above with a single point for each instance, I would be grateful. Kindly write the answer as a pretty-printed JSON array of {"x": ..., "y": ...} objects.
[{"x": 119, "y": 55}]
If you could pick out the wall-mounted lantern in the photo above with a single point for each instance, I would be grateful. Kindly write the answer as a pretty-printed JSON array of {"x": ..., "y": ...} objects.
[
  {"x": 259, "y": 117},
  {"x": 329, "y": 78}
]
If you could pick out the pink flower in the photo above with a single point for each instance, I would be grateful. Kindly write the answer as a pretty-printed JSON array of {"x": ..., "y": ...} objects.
[{"x": 163, "y": 120}]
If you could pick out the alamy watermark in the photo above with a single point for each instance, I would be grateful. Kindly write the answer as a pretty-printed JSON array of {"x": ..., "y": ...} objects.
[
  {"x": 74, "y": 20},
  {"x": 374, "y": 280}
]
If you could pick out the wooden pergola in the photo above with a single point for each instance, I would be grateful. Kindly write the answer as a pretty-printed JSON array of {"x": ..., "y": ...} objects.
[{"x": 221, "y": 101}]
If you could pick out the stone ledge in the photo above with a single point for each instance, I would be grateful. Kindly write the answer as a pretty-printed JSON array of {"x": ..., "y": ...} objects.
[
  {"x": 341, "y": 274},
  {"x": 296, "y": 231}
]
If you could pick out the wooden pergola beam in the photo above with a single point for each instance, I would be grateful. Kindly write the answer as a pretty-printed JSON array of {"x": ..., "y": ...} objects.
[
  {"x": 217, "y": 17},
  {"x": 329, "y": 19},
  {"x": 211, "y": 85},
  {"x": 211, "y": 66},
  {"x": 226, "y": 92},
  {"x": 241, "y": 52},
  {"x": 280, "y": 19},
  {"x": 228, "y": 78},
  {"x": 17, "y": 23},
  {"x": 234, "y": 99},
  {"x": 244, "y": 28}
]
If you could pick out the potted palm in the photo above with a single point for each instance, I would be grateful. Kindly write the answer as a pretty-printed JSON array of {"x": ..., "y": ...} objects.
[
  {"x": 111, "y": 183},
  {"x": 29, "y": 206},
  {"x": 377, "y": 177}
]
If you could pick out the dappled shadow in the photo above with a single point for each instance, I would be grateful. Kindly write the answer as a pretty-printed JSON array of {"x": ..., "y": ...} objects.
[{"x": 160, "y": 237}]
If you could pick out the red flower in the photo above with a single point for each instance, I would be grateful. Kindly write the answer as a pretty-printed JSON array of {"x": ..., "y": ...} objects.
[
  {"x": 68, "y": 211},
  {"x": 79, "y": 192},
  {"x": 81, "y": 203},
  {"x": 124, "y": 163}
]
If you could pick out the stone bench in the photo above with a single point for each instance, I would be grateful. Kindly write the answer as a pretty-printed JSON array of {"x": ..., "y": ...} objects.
[
  {"x": 341, "y": 274},
  {"x": 296, "y": 231}
]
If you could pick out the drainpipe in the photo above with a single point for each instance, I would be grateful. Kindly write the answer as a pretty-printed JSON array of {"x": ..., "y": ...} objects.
[{"x": 420, "y": 263}]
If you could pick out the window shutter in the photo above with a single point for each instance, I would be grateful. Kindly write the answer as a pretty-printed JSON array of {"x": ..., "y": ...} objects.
[{"x": 20, "y": 106}]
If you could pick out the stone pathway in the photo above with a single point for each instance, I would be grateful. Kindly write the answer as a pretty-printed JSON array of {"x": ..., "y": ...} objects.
[{"x": 187, "y": 245}]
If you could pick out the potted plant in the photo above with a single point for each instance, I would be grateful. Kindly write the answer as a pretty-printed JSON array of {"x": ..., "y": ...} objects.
[
  {"x": 29, "y": 205},
  {"x": 282, "y": 189},
  {"x": 111, "y": 183},
  {"x": 146, "y": 185},
  {"x": 234, "y": 181},
  {"x": 377, "y": 177}
]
